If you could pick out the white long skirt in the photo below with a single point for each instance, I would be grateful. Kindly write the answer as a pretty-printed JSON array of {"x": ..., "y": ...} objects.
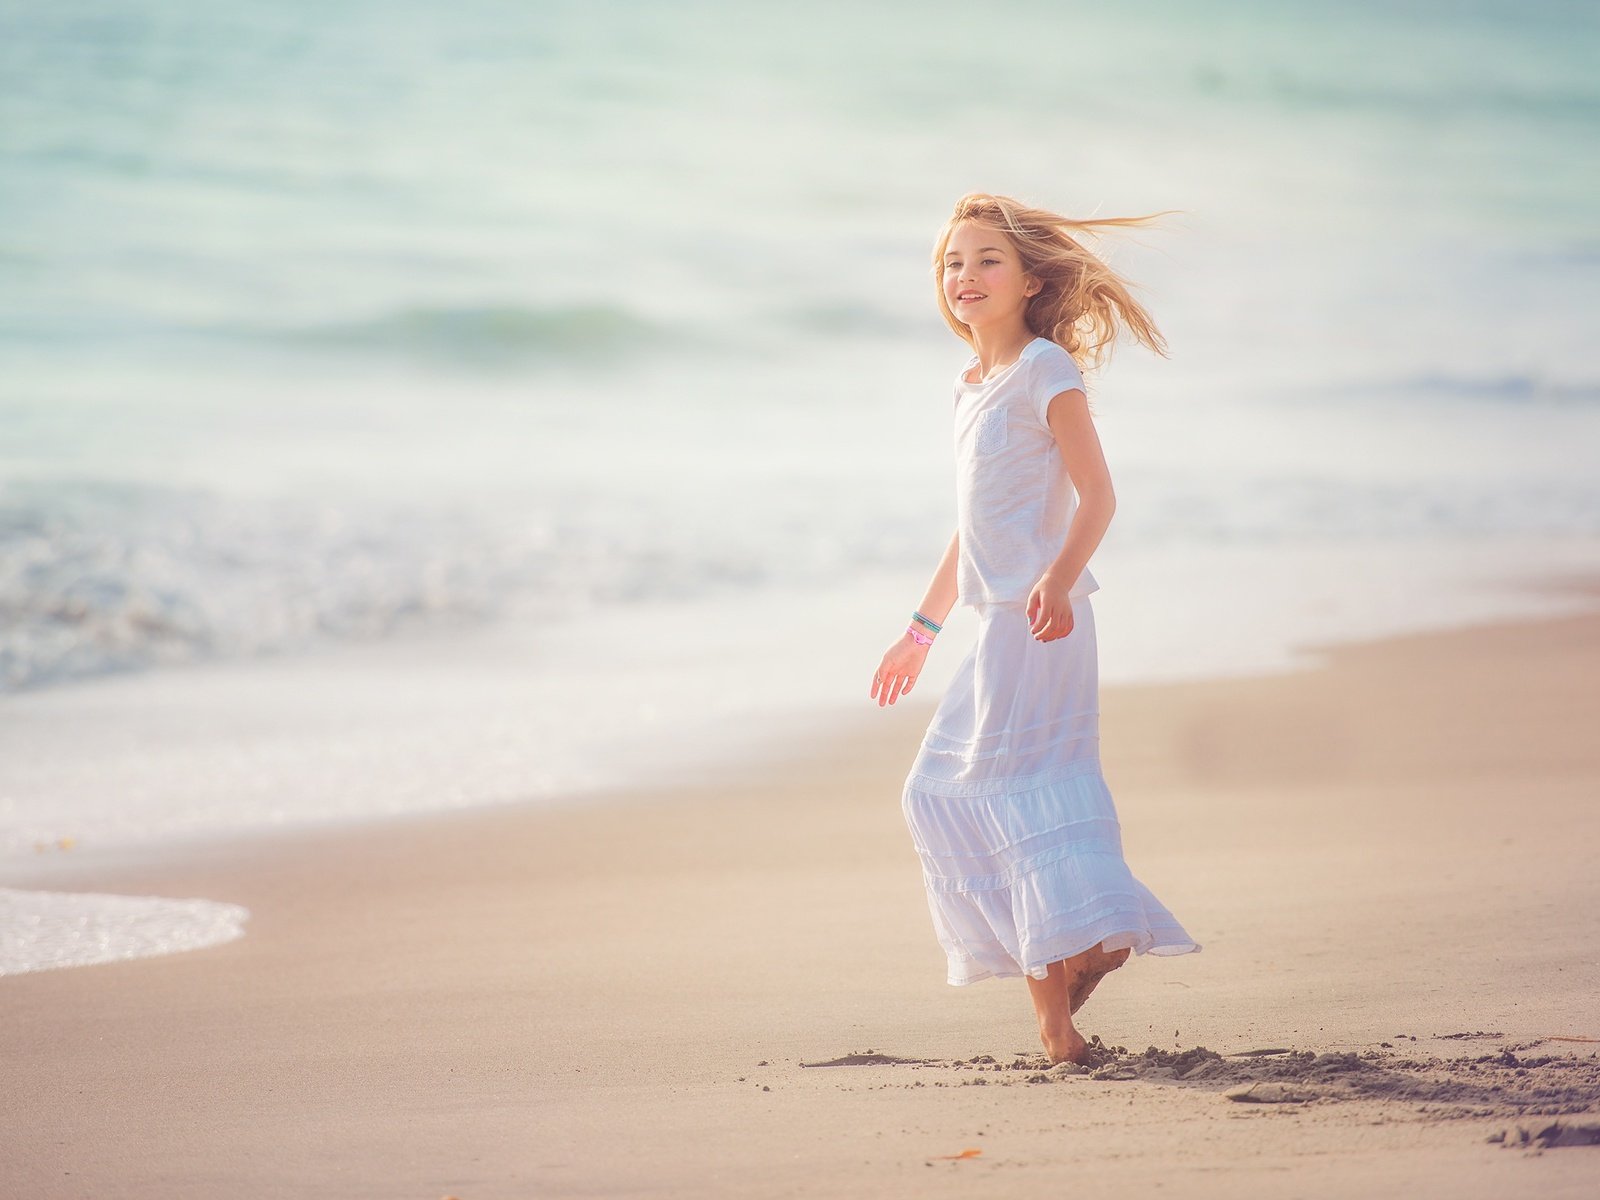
[{"x": 1010, "y": 814}]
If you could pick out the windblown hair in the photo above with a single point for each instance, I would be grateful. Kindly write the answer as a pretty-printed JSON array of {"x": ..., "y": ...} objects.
[{"x": 1083, "y": 302}]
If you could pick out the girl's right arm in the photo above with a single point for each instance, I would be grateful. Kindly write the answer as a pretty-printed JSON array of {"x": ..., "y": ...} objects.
[
  {"x": 902, "y": 661},
  {"x": 941, "y": 596}
]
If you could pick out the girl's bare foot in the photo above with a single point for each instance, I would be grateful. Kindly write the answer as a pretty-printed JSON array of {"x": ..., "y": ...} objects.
[
  {"x": 1098, "y": 965},
  {"x": 1052, "y": 997},
  {"x": 1064, "y": 1044}
]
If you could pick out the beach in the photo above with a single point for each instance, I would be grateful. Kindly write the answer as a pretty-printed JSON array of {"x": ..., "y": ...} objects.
[
  {"x": 1388, "y": 859},
  {"x": 459, "y": 469}
]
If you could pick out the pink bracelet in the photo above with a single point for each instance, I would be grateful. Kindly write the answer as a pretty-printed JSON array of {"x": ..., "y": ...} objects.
[{"x": 922, "y": 638}]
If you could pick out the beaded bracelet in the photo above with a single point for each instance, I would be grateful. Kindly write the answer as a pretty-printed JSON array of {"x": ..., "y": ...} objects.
[
  {"x": 922, "y": 639},
  {"x": 916, "y": 616}
]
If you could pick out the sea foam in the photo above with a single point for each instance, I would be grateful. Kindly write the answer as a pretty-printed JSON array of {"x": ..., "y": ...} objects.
[{"x": 41, "y": 930}]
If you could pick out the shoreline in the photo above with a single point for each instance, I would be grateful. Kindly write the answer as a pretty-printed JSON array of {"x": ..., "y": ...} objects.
[
  {"x": 820, "y": 725},
  {"x": 1388, "y": 856},
  {"x": 514, "y": 714}
]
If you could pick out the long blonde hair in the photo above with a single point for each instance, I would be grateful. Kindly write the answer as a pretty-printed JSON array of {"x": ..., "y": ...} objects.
[{"x": 1082, "y": 303}]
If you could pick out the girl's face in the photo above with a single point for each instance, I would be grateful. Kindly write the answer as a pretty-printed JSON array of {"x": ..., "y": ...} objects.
[{"x": 984, "y": 283}]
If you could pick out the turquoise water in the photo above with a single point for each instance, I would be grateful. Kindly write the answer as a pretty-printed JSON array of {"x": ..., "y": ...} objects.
[{"x": 335, "y": 322}]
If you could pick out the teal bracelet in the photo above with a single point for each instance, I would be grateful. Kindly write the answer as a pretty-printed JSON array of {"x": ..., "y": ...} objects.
[{"x": 916, "y": 616}]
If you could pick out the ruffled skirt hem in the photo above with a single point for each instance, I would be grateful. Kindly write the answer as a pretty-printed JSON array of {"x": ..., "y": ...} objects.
[
  {"x": 1017, "y": 879},
  {"x": 976, "y": 961}
]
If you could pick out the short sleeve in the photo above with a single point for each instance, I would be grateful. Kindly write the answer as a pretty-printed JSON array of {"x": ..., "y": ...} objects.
[
  {"x": 1054, "y": 372},
  {"x": 955, "y": 387}
]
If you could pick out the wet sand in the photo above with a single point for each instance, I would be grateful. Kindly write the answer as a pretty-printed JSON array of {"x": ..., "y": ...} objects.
[{"x": 735, "y": 990}]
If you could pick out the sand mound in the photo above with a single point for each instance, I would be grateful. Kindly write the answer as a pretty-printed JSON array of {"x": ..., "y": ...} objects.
[{"x": 1502, "y": 1083}]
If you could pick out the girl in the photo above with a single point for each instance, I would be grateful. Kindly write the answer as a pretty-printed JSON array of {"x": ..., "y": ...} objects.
[{"x": 1018, "y": 837}]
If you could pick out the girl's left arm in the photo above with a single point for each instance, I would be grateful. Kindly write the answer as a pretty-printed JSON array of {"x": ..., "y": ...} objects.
[{"x": 1079, "y": 443}]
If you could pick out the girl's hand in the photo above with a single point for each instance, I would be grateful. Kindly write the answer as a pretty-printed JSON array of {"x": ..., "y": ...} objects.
[
  {"x": 1050, "y": 609},
  {"x": 902, "y": 663}
]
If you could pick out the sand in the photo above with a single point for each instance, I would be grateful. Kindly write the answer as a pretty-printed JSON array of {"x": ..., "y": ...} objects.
[{"x": 735, "y": 991}]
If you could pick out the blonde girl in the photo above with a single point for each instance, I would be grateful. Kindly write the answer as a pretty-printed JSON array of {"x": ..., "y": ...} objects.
[{"x": 1009, "y": 813}]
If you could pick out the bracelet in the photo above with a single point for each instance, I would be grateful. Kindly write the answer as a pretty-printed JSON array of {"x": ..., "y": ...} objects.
[
  {"x": 921, "y": 638},
  {"x": 916, "y": 616}
]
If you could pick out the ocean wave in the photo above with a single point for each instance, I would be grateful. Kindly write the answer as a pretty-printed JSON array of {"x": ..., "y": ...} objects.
[
  {"x": 483, "y": 334},
  {"x": 103, "y": 577},
  {"x": 107, "y": 577}
]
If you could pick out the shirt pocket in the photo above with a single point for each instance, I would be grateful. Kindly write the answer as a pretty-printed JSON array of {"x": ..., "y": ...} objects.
[{"x": 990, "y": 434}]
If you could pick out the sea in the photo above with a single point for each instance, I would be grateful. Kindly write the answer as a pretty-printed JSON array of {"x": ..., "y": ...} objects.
[{"x": 408, "y": 406}]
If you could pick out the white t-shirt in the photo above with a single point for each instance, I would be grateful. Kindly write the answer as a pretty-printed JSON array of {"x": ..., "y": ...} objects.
[{"x": 1014, "y": 498}]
